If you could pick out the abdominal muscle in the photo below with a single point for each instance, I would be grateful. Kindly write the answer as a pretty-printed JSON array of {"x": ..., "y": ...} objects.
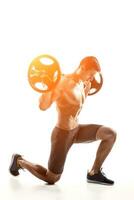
[{"x": 67, "y": 123}]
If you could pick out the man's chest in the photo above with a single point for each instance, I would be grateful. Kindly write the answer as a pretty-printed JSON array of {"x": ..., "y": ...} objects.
[
  {"x": 78, "y": 92},
  {"x": 74, "y": 93}
]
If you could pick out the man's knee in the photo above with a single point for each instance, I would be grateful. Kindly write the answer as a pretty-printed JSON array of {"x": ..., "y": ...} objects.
[
  {"x": 106, "y": 133},
  {"x": 52, "y": 177},
  {"x": 56, "y": 178},
  {"x": 111, "y": 134}
]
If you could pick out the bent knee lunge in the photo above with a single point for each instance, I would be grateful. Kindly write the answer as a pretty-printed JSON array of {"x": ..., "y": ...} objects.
[
  {"x": 51, "y": 177},
  {"x": 106, "y": 133}
]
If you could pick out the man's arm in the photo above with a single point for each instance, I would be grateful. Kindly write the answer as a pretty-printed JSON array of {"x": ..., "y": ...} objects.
[
  {"x": 87, "y": 87},
  {"x": 48, "y": 98},
  {"x": 45, "y": 100}
]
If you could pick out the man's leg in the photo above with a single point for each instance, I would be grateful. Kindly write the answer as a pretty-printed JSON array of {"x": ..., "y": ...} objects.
[
  {"x": 61, "y": 141},
  {"x": 37, "y": 170},
  {"x": 107, "y": 137},
  {"x": 92, "y": 132}
]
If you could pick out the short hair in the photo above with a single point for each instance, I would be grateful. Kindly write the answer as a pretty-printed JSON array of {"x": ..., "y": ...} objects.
[{"x": 90, "y": 62}]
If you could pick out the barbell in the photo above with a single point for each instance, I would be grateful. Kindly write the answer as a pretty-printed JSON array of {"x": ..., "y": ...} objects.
[{"x": 44, "y": 73}]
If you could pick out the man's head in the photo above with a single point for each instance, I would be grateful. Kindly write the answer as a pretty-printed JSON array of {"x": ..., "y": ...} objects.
[
  {"x": 89, "y": 63},
  {"x": 88, "y": 67}
]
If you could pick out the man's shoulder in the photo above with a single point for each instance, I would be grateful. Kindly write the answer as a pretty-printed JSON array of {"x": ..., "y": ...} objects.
[
  {"x": 68, "y": 78},
  {"x": 65, "y": 84},
  {"x": 65, "y": 79}
]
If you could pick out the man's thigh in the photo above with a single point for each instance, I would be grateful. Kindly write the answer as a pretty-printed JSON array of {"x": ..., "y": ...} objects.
[
  {"x": 61, "y": 141},
  {"x": 87, "y": 133}
]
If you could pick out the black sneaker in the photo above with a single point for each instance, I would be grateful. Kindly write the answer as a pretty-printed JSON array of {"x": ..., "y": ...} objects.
[
  {"x": 14, "y": 168},
  {"x": 99, "y": 178}
]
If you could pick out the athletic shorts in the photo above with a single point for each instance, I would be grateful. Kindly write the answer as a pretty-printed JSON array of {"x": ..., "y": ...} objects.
[{"x": 62, "y": 140}]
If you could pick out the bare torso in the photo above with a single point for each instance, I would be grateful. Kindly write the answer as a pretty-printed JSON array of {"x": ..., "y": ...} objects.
[{"x": 70, "y": 102}]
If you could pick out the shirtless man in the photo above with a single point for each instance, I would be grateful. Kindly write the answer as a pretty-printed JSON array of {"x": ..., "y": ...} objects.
[{"x": 69, "y": 95}]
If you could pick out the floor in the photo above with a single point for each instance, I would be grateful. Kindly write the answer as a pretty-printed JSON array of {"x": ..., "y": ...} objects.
[{"x": 22, "y": 188}]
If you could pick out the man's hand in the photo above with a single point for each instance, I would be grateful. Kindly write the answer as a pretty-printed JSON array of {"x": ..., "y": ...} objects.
[{"x": 87, "y": 86}]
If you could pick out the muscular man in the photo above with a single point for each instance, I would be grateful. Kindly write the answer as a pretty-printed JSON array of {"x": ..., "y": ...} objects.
[{"x": 69, "y": 95}]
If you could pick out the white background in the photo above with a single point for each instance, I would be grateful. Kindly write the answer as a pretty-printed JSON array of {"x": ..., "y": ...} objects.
[{"x": 69, "y": 30}]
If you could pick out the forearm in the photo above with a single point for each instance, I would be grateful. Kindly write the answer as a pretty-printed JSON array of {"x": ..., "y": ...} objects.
[
  {"x": 87, "y": 88},
  {"x": 45, "y": 100}
]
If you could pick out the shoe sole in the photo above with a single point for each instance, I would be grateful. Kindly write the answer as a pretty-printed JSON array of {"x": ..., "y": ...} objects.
[{"x": 98, "y": 182}]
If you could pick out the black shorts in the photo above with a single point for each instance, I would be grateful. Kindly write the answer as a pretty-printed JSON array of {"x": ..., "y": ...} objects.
[{"x": 62, "y": 140}]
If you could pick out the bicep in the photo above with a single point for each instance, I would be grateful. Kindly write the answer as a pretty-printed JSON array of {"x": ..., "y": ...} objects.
[
  {"x": 48, "y": 98},
  {"x": 45, "y": 100}
]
